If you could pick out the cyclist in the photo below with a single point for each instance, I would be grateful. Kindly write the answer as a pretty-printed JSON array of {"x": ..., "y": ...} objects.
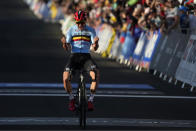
[{"x": 80, "y": 38}]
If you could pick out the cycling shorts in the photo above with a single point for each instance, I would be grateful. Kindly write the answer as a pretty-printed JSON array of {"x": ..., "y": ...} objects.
[{"x": 80, "y": 61}]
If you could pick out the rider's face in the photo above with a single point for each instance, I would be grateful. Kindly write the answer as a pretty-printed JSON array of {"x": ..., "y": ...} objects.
[{"x": 80, "y": 25}]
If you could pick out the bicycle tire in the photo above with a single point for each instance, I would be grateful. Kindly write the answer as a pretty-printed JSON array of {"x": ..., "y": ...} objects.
[{"x": 82, "y": 106}]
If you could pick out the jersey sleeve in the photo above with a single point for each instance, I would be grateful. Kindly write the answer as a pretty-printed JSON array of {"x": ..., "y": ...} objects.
[
  {"x": 93, "y": 35},
  {"x": 68, "y": 36}
]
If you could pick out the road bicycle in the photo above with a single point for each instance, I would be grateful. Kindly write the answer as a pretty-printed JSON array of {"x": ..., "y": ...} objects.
[{"x": 81, "y": 101}]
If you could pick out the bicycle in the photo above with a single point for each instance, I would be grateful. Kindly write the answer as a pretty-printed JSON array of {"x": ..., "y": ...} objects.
[{"x": 81, "y": 101}]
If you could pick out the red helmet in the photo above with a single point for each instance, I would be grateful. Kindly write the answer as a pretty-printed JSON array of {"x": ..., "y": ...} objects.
[{"x": 80, "y": 16}]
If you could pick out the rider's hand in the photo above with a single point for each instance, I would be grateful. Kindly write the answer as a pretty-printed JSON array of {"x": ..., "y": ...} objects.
[
  {"x": 95, "y": 45},
  {"x": 65, "y": 46},
  {"x": 96, "y": 39},
  {"x": 63, "y": 40}
]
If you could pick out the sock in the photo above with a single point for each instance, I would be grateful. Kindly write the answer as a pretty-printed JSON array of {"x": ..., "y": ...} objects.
[
  {"x": 91, "y": 97},
  {"x": 71, "y": 96}
]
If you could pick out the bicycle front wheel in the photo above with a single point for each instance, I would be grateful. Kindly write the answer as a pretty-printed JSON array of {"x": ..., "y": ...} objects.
[{"x": 83, "y": 107}]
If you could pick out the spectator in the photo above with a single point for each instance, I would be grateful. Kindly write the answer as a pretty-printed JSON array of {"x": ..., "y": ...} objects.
[
  {"x": 184, "y": 19},
  {"x": 44, "y": 10},
  {"x": 192, "y": 20},
  {"x": 55, "y": 10},
  {"x": 171, "y": 12}
]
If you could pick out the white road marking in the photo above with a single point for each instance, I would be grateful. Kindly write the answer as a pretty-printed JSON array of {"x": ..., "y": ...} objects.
[
  {"x": 96, "y": 121},
  {"x": 105, "y": 95},
  {"x": 62, "y": 91}
]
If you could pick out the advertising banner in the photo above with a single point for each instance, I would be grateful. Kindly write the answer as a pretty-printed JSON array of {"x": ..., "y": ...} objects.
[
  {"x": 104, "y": 34},
  {"x": 149, "y": 50},
  {"x": 145, "y": 48},
  {"x": 128, "y": 46},
  {"x": 186, "y": 70},
  {"x": 169, "y": 52},
  {"x": 116, "y": 48},
  {"x": 140, "y": 48},
  {"x": 110, "y": 44}
]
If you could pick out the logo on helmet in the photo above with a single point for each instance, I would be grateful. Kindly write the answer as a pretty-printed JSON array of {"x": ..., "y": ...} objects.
[{"x": 80, "y": 16}]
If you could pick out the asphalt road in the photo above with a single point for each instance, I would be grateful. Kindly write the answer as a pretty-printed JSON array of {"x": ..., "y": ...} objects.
[{"x": 32, "y": 97}]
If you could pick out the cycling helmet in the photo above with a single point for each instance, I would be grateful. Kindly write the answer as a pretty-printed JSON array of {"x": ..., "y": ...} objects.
[{"x": 80, "y": 16}]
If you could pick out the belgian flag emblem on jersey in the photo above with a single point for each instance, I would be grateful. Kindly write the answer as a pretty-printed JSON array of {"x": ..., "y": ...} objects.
[{"x": 81, "y": 37}]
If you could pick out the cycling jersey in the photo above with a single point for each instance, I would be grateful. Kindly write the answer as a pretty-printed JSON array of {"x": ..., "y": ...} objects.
[{"x": 80, "y": 40}]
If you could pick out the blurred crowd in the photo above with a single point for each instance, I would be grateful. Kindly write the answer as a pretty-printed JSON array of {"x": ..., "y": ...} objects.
[
  {"x": 120, "y": 14},
  {"x": 128, "y": 18}
]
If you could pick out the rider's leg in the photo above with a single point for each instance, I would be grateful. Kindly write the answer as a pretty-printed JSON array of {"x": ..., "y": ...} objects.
[
  {"x": 67, "y": 84},
  {"x": 95, "y": 81},
  {"x": 68, "y": 88}
]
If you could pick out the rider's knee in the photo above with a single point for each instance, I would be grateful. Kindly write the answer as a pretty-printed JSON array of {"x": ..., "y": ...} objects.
[{"x": 94, "y": 75}]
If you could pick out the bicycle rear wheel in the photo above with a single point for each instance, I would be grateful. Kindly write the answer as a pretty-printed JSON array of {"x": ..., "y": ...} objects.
[{"x": 82, "y": 106}]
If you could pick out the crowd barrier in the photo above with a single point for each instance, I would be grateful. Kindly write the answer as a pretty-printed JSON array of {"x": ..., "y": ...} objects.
[
  {"x": 164, "y": 54},
  {"x": 169, "y": 52},
  {"x": 186, "y": 70},
  {"x": 105, "y": 34},
  {"x": 173, "y": 55},
  {"x": 116, "y": 49},
  {"x": 145, "y": 49}
]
